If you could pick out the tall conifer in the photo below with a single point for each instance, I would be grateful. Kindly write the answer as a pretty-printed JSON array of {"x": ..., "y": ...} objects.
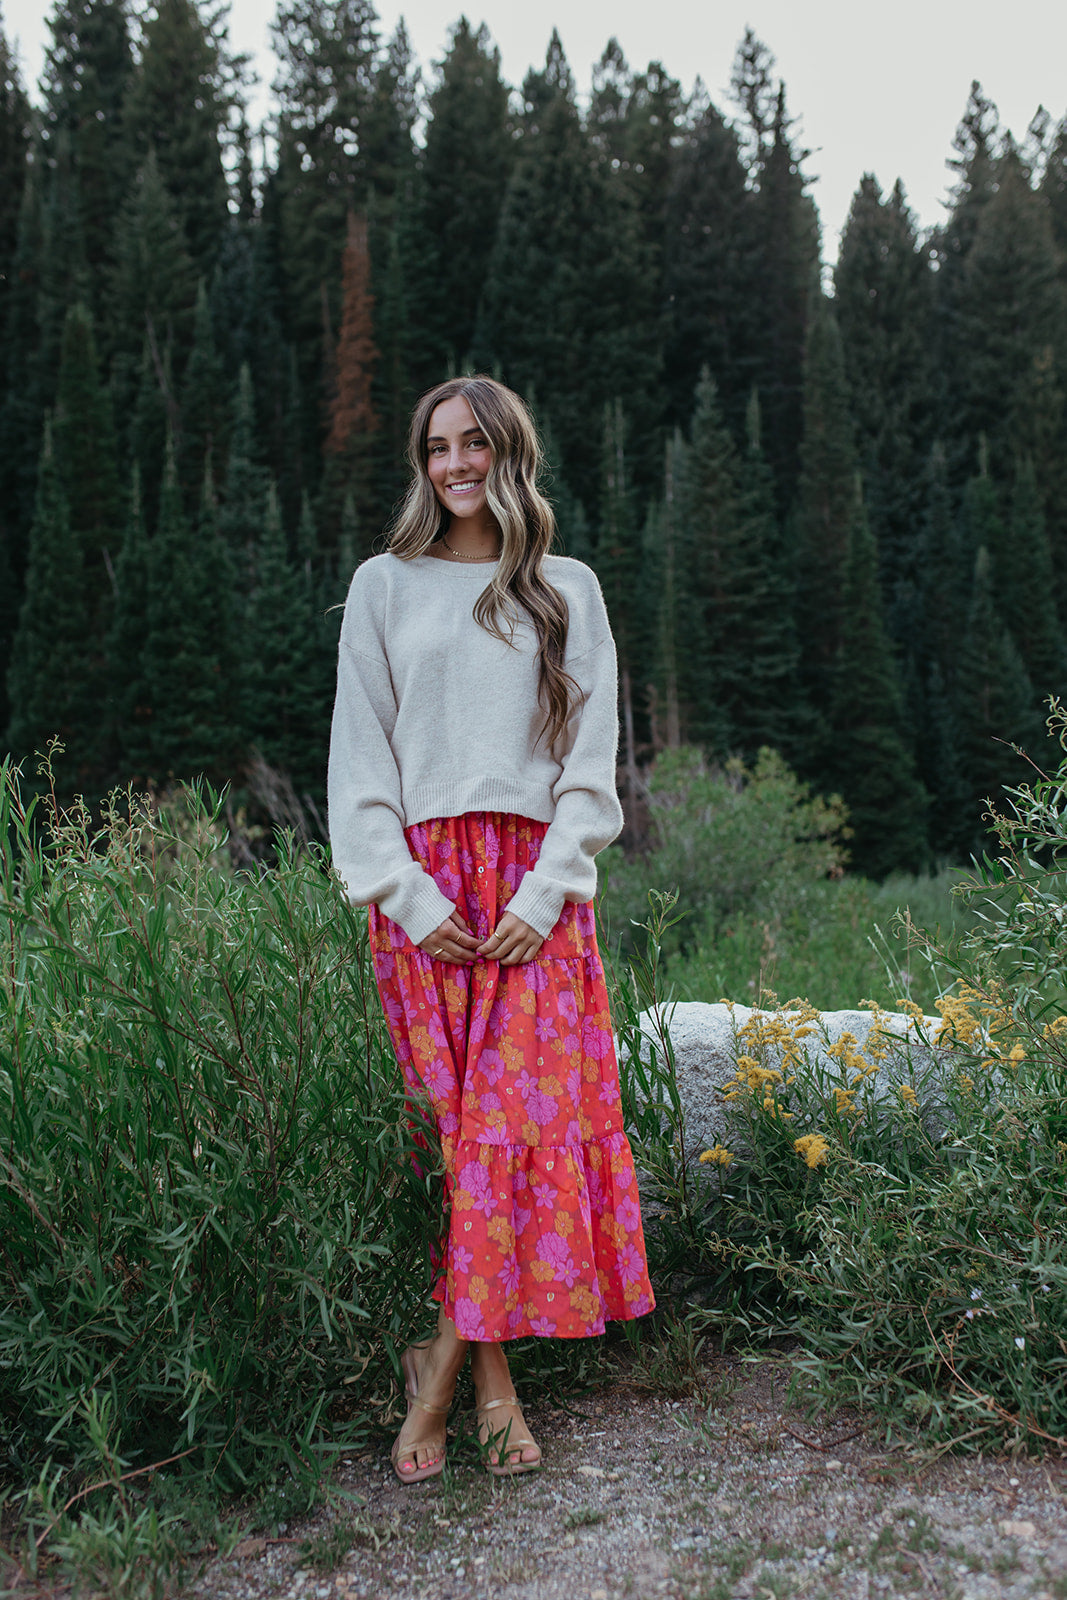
[
  {"x": 867, "y": 756},
  {"x": 48, "y": 682}
]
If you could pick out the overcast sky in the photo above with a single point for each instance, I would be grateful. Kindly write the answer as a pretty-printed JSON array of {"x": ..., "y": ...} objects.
[{"x": 877, "y": 88}]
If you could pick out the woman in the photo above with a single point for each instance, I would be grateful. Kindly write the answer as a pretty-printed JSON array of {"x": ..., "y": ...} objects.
[{"x": 471, "y": 784}]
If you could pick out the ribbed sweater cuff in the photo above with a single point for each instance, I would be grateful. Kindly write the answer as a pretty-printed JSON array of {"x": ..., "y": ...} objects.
[
  {"x": 422, "y": 909},
  {"x": 539, "y": 904}
]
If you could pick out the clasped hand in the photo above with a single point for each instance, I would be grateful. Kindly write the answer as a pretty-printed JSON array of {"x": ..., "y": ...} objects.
[{"x": 513, "y": 942}]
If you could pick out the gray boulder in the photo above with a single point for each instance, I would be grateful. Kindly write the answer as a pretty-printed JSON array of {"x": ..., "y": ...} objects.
[{"x": 706, "y": 1044}]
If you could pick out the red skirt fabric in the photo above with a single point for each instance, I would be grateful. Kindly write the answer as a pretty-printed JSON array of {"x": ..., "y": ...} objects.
[{"x": 542, "y": 1226}]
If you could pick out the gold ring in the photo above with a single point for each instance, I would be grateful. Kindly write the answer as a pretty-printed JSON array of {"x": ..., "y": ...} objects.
[{"x": 439, "y": 952}]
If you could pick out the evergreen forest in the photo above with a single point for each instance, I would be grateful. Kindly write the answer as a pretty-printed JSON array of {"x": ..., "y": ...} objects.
[{"x": 828, "y": 512}]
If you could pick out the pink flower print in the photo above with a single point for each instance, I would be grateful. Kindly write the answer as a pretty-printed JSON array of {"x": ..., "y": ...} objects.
[
  {"x": 398, "y": 939},
  {"x": 568, "y": 1006},
  {"x": 436, "y": 1029},
  {"x": 491, "y": 1064},
  {"x": 496, "y": 1016},
  {"x": 573, "y": 1134},
  {"x": 553, "y": 1251},
  {"x": 628, "y": 1214},
  {"x": 438, "y": 1079},
  {"x": 542, "y": 1327},
  {"x": 544, "y": 1192},
  {"x": 574, "y": 1085},
  {"x": 610, "y": 1094},
  {"x": 468, "y": 1320},
  {"x": 630, "y": 1263},
  {"x": 447, "y": 1121},
  {"x": 474, "y": 1180},
  {"x": 543, "y": 1028},
  {"x": 461, "y": 1259},
  {"x": 512, "y": 875},
  {"x": 596, "y": 1041},
  {"x": 492, "y": 845},
  {"x": 584, "y": 920},
  {"x": 448, "y": 881},
  {"x": 537, "y": 978},
  {"x": 520, "y": 1219},
  {"x": 541, "y": 1108},
  {"x": 510, "y": 1276}
]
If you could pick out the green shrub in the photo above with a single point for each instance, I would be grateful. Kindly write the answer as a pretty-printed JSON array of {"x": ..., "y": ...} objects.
[
  {"x": 920, "y": 1260},
  {"x": 210, "y": 1225},
  {"x": 727, "y": 841}
]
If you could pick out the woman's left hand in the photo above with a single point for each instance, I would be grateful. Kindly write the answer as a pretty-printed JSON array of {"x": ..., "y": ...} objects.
[{"x": 513, "y": 942}]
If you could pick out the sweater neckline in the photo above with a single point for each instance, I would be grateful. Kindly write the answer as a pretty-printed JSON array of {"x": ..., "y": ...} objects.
[{"x": 472, "y": 569}]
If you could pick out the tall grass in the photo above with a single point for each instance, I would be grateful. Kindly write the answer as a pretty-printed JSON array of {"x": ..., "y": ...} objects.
[{"x": 211, "y": 1229}]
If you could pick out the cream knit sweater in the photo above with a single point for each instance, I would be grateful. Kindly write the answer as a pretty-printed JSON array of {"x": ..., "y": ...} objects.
[{"x": 435, "y": 717}]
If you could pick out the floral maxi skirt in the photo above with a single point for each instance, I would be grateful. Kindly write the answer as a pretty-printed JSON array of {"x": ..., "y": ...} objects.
[{"x": 542, "y": 1223}]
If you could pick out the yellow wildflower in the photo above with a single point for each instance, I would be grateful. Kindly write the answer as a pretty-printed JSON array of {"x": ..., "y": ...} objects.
[
  {"x": 770, "y": 1104},
  {"x": 843, "y": 1102},
  {"x": 965, "y": 1083},
  {"x": 908, "y": 1095},
  {"x": 910, "y": 1009},
  {"x": 1017, "y": 1056},
  {"x": 814, "y": 1148},
  {"x": 719, "y": 1154}
]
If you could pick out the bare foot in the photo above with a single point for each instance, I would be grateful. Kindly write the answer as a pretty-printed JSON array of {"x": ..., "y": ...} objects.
[
  {"x": 430, "y": 1373},
  {"x": 502, "y": 1428}
]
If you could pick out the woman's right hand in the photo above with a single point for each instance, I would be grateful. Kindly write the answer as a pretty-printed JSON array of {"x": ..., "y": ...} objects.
[{"x": 452, "y": 941}]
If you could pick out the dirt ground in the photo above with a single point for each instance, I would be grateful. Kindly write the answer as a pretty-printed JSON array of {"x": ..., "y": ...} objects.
[{"x": 735, "y": 1496}]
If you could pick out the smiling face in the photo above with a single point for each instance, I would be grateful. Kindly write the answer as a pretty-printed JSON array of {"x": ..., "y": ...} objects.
[{"x": 458, "y": 457}]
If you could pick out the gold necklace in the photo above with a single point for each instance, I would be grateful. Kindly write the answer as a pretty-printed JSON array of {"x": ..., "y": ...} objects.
[{"x": 461, "y": 557}]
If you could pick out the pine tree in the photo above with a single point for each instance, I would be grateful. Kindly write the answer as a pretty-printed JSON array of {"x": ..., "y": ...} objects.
[
  {"x": 353, "y": 420},
  {"x": 244, "y": 498},
  {"x": 1022, "y": 573},
  {"x": 709, "y": 515},
  {"x": 327, "y": 51},
  {"x": 15, "y": 124},
  {"x": 84, "y": 439},
  {"x": 19, "y": 415},
  {"x": 994, "y": 703},
  {"x": 826, "y": 507},
  {"x": 47, "y": 682},
  {"x": 883, "y": 303},
  {"x": 128, "y": 707},
  {"x": 152, "y": 296},
  {"x": 867, "y": 757},
  {"x": 185, "y": 653},
  {"x": 784, "y": 260},
  {"x": 174, "y": 111},
  {"x": 285, "y": 715},
  {"x": 708, "y": 268},
  {"x": 618, "y": 565},
  {"x": 568, "y": 310},
  {"x": 88, "y": 73},
  {"x": 469, "y": 152},
  {"x": 668, "y": 594},
  {"x": 743, "y": 646},
  {"x": 1007, "y": 308},
  {"x": 202, "y": 407}
]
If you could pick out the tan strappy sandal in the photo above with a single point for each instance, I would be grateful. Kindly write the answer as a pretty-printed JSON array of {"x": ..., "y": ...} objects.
[
  {"x": 505, "y": 1442},
  {"x": 411, "y": 1389}
]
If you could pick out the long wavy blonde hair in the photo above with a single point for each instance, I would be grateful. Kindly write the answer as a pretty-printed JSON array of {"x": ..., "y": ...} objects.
[{"x": 527, "y": 528}]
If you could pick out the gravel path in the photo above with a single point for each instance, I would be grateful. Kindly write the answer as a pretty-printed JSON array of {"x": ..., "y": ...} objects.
[{"x": 734, "y": 1496}]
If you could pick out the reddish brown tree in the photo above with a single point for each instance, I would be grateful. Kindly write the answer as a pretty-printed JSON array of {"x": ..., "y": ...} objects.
[{"x": 353, "y": 421}]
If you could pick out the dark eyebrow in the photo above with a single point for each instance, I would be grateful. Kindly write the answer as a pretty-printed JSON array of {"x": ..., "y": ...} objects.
[{"x": 437, "y": 438}]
